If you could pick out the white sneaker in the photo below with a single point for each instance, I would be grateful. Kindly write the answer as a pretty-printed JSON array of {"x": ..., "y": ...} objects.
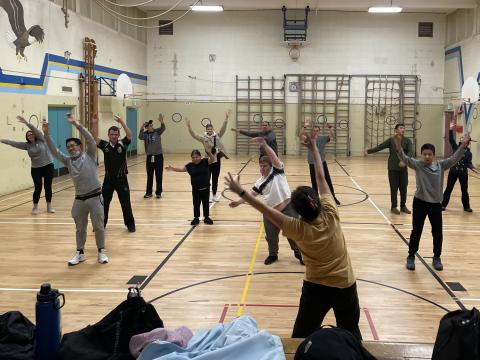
[
  {"x": 35, "y": 211},
  {"x": 216, "y": 198},
  {"x": 50, "y": 209},
  {"x": 102, "y": 257},
  {"x": 77, "y": 259}
]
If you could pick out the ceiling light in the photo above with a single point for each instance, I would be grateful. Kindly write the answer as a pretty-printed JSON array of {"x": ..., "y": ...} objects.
[
  {"x": 384, "y": 9},
  {"x": 215, "y": 8}
]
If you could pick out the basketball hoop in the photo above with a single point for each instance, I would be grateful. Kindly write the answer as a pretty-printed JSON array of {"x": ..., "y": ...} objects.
[
  {"x": 294, "y": 51},
  {"x": 124, "y": 86}
]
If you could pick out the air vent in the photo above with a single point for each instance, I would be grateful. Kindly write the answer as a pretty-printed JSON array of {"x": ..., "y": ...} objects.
[
  {"x": 425, "y": 29},
  {"x": 68, "y": 89},
  {"x": 165, "y": 30}
]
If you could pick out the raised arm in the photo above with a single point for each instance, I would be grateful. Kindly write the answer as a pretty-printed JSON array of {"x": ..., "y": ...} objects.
[
  {"x": 262, "y": 143},
  {"x": 208, "y": 149},
  {"x": 409, "y": 147},
  {"x": 123, "y": 124},
  {"x": 162, "y": 125},
  {"x": 94, "y": 122},
  {"x": 225, "y": 122},
  {"x": 331, "y": 133},
  {"x": 91, "y": 145},
  {"x": 275, "y": 216},
  {"x": 452, "y": 160},
  {"x": 309, "y": 140},
  {"x": 51, "y": 146},
  {"x": 397, "y": 142},
  {"x": 451, "y": 140},
  {"x": 38, "y": 134},
  {"x": 192, "y": 133}
]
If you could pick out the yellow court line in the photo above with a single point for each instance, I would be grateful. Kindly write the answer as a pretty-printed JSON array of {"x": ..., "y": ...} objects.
[{"x": 250, "y": 273}]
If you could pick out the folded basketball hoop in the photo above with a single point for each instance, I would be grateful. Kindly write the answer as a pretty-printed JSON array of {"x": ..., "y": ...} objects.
[{"x": 124, "y": 86}]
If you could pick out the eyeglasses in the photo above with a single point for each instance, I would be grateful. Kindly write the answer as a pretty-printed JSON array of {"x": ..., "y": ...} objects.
[{"x": 71, "y": 146}]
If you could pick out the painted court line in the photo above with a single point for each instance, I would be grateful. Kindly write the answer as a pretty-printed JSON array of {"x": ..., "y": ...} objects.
[
  {"x": 250, "y": 272},
  {"x": 70, "y": 290}
]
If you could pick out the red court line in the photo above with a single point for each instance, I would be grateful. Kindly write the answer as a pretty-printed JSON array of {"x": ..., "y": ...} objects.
[
  {"x": 224, "y": 313},
  {"x": 370, "y": 323}
]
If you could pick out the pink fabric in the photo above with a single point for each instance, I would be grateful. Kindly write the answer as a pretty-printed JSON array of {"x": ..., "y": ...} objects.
[{"x": 180, "y": 336}]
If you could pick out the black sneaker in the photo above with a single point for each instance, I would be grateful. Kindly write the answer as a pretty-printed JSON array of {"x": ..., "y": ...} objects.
[
  {"x": 147, "y": 196},
  {"x": 208, "y": 221},
  {"x": 158, "y": 196},
  {"x": 336, "y": 201},
  {"x": 270, "y": 259},
  {"x": 410, "y": 262},
  {"x": 437, "y": 263},
  {"x": 444, "y": 208},
  {"x": 298, "y": 255},
  {"x": 395, "y": 211},
  {"x": 195, "y": 221},
  {"x": 131, "y": 228},
  {"x": 468, "y": 210}
]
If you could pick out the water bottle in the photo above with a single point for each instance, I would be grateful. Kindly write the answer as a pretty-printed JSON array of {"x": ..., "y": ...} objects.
[{"x": 48, "y": 331}]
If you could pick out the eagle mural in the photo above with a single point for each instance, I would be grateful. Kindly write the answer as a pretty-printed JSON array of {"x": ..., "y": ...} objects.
[{"x": 21, "y": 37}]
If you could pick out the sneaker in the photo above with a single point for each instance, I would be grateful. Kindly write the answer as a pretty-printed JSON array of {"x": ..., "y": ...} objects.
[
  {"x": 298, "y": 255},
  {"x": 444, "y": 208},
  {"x": 102, "y": 257},
  {"x": 131, "y": 228},
  {"x": 405, "y": 210},
  {"x": 437, "y": 263},
  {"x": 468, "y": 210},
  {"x": 208, "y": 221},
  {"x": 270, "y": 259},
  {"x": 395, "y": 211},
  {"x": 411, "y": 262},
  {"x": 147, "y": 196},
  {"x": 195, "y": 221},
  {"x": 158, "y": 196},
  {"x": 50, "y": 209},
  {"x": 216, "y": 198},
  {"x": 77, "y": 259},
  {"x": 336, "y": 201},
  {"x": 35, "y": 211}
]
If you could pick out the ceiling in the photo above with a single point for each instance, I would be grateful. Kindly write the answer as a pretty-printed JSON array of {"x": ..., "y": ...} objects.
[{"x": 438, "y": 6}]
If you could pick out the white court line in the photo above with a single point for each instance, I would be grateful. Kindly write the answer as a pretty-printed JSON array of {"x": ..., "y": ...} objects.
[
  {"x": 371, "y": 201},
  {"x": 72, "y": 290},
  {"x": 468, "y": 299}
]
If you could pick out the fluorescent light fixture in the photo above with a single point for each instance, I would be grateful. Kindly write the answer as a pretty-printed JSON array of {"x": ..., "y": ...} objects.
[
  {"x": 214, "y": 8},
  {"x": 384, "y": 9}
]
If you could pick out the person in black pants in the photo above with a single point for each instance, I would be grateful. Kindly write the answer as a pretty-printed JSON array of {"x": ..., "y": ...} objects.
[
  {"x": 42, "y": 163},
  {"x": 458, "y": 171},
  {"x": 199, "y": 172},
  {"x": 154, "y": 151},
  {"x": 115, "y": 159}
]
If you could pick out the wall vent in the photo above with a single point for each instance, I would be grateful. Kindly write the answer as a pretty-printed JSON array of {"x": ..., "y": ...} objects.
[
  {"x": 67, "y": 89},
  {"x": 165, "y": 30},
  {"x": 425, "y": 29}
]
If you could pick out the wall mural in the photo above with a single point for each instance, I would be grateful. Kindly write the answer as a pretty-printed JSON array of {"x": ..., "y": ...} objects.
[{"x": 21, "y": 37}]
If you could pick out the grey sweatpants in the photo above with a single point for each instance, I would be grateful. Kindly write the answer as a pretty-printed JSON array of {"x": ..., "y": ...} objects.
[
  {"x": 80, "y": 211},
  {"x": 271, "y": 232}
]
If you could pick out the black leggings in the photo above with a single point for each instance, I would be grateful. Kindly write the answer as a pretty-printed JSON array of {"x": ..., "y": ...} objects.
[
  {"x": 215, "y": 173},
  {"x": 422, "y": 209},
  {"x": 462, "y": 177},
  {"x": 201, "y": 197},
  {"x": 45, "y": 173}
]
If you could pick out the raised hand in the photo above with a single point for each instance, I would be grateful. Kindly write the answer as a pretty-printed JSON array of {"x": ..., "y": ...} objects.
[
  {"x": 21, "y": 120},
  {"x": 95, "y": 119},
  {"x": 466, "y": 140},
  {"x": 227, "y": 114},
  {"x": 118, "y": 119},
  {"x": 45, "y": 127},
  {"x": 233, "y": 183},
  {"x": 71, "y": 119},
  {"x": 453, "y": 125},
  {"x": 260, "y": 141},
  {"x": 160, "y": 117}
]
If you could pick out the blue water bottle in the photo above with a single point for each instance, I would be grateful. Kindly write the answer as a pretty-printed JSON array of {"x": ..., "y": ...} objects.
[{"x": 48, "y": 331}]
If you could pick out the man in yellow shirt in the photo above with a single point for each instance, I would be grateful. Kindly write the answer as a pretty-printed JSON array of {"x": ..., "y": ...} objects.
[{"x": 329, "y": 280}]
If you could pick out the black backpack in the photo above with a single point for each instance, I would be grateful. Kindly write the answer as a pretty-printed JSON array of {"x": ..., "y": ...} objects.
[
  {"x": 332, "y": 343},
  {"x": 17, "y": 337},
  {"x": 110, "y": 337},
  {"x": 458, "y": 336}
]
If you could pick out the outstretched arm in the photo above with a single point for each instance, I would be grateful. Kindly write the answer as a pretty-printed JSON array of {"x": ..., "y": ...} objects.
[
  {"x": 225, "y": 122},
  {"x": 175, "y": 168},
  {"x": 192, "y": 133},
  {"x": 309, "y": 140},
  {"x": 94, "y": 128},
  {"x": 275, "y": 216},
  {"x": 38, "y": 134},
  {"x": 384, "y": 145},
  {"x": 51, "y": 146},
  {"x": 262, "y": 143},
  {"x": 162, "y": 124},
  {"x": 91, "y": 145}
]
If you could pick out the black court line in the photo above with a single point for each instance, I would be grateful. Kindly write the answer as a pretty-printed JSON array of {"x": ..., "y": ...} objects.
[
  {"x": 433, "y": 273},
  {"x": 344, "y": 170},
  {"x": 172, "y": 252},
  {"x": 289, "y": 272}
]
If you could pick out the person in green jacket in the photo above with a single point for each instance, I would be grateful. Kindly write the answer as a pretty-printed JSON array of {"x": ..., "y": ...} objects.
[{"x": 397, "y": 171}]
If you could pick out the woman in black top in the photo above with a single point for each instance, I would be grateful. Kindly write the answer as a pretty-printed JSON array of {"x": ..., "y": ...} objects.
[{"x": 199, "y": 172}]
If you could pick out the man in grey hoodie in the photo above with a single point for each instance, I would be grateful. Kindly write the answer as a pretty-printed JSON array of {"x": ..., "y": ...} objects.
[
  {"x": 153, "y": 149},
  {"x": 82, "y": 167}
]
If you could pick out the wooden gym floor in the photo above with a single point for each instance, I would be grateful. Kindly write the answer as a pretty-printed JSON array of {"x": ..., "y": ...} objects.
[{"x": 199, "y": 276}]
